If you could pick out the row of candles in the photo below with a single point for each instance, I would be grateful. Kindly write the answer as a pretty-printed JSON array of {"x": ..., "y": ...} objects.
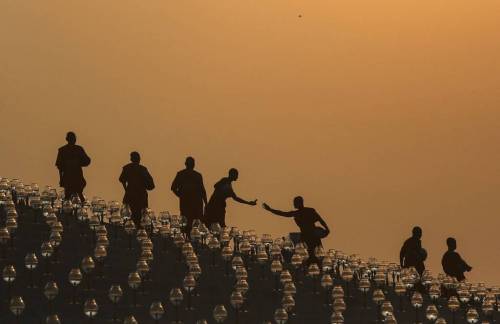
[{"x": 237, "y": 249}]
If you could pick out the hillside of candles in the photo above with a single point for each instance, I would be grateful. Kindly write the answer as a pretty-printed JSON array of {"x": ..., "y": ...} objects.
[{"x": 66, "y": 261}]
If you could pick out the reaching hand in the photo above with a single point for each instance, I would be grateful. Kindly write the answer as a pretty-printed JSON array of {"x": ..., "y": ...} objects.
[
  {"x": 253, "y": 202},
  {"x": 266, "y": 206}
]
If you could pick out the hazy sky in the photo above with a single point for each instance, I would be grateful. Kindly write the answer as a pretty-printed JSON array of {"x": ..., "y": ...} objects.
[{"x": 382, "y": 114}]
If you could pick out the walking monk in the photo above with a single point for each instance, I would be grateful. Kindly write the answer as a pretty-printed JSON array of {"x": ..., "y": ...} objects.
[
  {"x": 70, "y": 160},
  {"x": 136, "y": 181},
  {"x": 188, "y": 186},
  {"x": 215, "y": 211},
  {"x": 306, "y": 219}
]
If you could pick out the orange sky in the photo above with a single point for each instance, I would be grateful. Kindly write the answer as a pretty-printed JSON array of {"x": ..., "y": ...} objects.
[{"x": 382, "y": 114}]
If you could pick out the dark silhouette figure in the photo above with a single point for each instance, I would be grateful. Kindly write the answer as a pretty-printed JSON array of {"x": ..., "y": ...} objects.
[
  {"x": 70, "y": 160},
  {"x": 136, "y": 181},
  {"x": 306, "y": 219},
  {"x": 215, "y": 210},
  {"x": 188, "y": 186},
  {"x": 412, "y": 254},
  {"x": 453, "y": 264}
]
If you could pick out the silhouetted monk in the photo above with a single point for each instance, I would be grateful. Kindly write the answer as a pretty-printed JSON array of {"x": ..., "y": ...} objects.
[
  {"x": 412, "y": 254},
  {"x": 70, "y": 160},
  {"x": 453, "y": 264},
  {"x": 188, "y": 186},
  {"x": 306, "y": 219},
  {"x": 215, "y": 210},
  {"x": 136, "y": 181}
]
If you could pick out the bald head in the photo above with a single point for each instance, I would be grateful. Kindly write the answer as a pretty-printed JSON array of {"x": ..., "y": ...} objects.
[
  {"x": 233, "y": 174},
  {"x": 417, "y": 232},
  {"x": 189, "y": 163},
  {"x": 298, "y": 202},
  {"x": 135, "y": 157},
  {"x": 71, "y": 137}
]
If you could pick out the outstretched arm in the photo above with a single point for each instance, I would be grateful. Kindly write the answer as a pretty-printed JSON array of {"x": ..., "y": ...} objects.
[
  {"x": 235, "y": 197},
  {"x": 279, "y": 212},
  {"x": 246, "y": 202}
]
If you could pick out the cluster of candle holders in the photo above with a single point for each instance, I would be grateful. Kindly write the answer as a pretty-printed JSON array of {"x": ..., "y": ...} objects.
[{"x": 377, "y": 290}]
